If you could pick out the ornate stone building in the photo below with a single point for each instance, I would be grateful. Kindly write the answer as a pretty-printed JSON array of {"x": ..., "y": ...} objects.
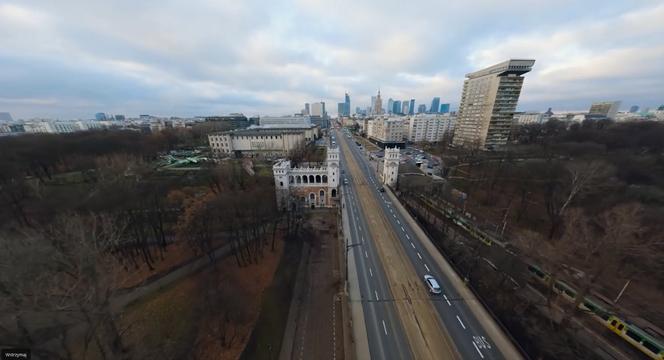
[
  {"x": 391, "y": 166},
  {"x": 309, "y": 187}
]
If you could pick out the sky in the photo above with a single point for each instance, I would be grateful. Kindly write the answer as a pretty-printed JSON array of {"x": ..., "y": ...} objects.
[{"x": 73, "y": 58}]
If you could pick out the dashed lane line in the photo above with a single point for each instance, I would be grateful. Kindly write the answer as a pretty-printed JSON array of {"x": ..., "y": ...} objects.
[
  {"x": 425, "y": 265},
  {"x": 461, "y": 322},
  {"x": 448, "y": 300},
  {"x": 413, "y": 245},
  {"x": 419, "y": 256},
  {"x": 385, "y": 330}
]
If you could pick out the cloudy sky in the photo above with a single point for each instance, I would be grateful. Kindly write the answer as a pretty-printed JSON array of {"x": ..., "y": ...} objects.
[{"x": 72, "y": 58}]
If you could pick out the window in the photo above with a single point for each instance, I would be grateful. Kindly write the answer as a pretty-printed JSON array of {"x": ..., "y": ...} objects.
[
  {"x": 281, "y": 183},
  {"x": 334, "y": 193}
]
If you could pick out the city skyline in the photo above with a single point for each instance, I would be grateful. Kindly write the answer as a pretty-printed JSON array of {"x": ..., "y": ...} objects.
[{"x": 64, "y": 60}]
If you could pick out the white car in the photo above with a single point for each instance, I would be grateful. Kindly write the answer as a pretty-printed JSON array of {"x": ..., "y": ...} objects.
[{"x": 432, "y": 284}]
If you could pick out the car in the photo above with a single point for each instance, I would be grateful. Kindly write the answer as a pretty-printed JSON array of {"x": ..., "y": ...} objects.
[
  {"x": 346, "y": 181},
  {"x": 432, "y": 284}
]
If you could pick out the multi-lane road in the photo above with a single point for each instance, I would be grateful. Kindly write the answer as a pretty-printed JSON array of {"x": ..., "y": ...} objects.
[{"x": 389, "y": 256}]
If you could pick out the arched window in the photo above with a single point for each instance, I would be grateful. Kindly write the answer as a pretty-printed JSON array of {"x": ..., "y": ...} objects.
[
  {"x": 317, "y": 179},
  {"x": 311, "y": 179},
  {"x": 322, "y": 193},
  {"x": 324, "y": 179},
  {"x": 291, "y": 179},
  {"x": 334, "y": 193},
  {"x": 312, "y": 197},
  {"x": 304, "y": 179},
  {"x": 299, "y": 179}
]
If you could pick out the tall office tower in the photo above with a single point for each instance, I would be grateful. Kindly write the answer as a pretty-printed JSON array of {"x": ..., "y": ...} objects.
[
  {"x": 100, "y": 116},
  {"x": 604, "y": 109},
  {"x": 396, "y": 109},
  {"x": 404, "y": 107},
  {"x": 347, "y": 105},
  {"x": 341, "y": 109},
  {"x": 435, "y": 105},
  {"x": 317, "y": 109},
  {"x": 378, "y": 105},
  {"x": 411, "y": 107},
  {"x": 390, "y": 106},
  {"x": 373, "y": 105},
  {"x": 634, "y": 109},
  {"x": 307, "y": 109},
  {"x": 488, "y": 102},
  {"x": 421, "y": 109},
  {"x": 444, "y": 108}
]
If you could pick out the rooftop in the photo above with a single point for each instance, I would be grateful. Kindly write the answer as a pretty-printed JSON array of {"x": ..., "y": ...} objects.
[{"x": 512, "y": 66}]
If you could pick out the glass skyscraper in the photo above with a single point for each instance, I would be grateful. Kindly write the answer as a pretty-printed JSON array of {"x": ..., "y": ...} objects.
[
  {"x": 411, "y": 108},
  {"x": 347, "y": 105},
  {"x": 396, "y": 109},
  {"x": 435, "y": 105},
  {"x": 444, "y": 108}
]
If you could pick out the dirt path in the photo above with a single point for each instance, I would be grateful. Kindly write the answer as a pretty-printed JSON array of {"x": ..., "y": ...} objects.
[{"x": 426, "y": 336}]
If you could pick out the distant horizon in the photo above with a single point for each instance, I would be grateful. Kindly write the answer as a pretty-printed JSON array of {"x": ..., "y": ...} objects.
[{"x": 73, "y": 59}]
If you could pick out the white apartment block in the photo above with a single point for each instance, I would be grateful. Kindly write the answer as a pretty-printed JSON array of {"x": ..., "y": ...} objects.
[
  {"x": 429, "y": 127},
  {"x": 488, "y": 102},
  {"x": 285, "y": 120},
  {"x": 259, "y": 141}
]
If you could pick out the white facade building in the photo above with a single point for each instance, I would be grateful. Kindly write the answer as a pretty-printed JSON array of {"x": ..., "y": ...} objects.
[
  {"x": 391, "y": 166},
  {"x": 285, "y": 120},
  {"x": 307, "y": 187},
  {"x": 429, "y": 127},
  {"x": 387, "y": 131}
]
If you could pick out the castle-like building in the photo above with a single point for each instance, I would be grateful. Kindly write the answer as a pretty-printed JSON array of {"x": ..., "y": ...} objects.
[{"x": 309, "y": 187}]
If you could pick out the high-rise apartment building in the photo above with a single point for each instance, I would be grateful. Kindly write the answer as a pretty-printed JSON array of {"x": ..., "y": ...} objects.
[
  {"x": 429, "y": 127},
  {"x": 411, "y": 107},
  {"x": 435, "y": 105},
  {"x": 606, "y": 109},
  {"x": 488, "y": 103}
]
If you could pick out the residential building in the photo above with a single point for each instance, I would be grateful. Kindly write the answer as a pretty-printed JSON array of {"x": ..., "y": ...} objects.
[
  {"x": 435, "y": 105},
  {"x": 444, "y": 108},
  {"x": 429, "y": 127},
  {"x": 526, "y": 118},
  {"x": 488, "y": 102},
  {"x": 387, "y": 131},
  {"x": 604, "y": 109}
]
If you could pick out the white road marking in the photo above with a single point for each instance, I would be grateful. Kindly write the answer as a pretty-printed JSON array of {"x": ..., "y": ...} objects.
[
  {"x": 425, "y": 265},
  {"x": 394, "y": 216},
  {"x": 476, "y": 348},
  {"x": 365, "y": 254},
  {"x": 398, "y": 222},
  {"x": 448, "y": 300},
  {"x": 407, "y": 237},
  {"x": 362, "y": 238},
  {"x": 413, "y": 245},
  {"x": 419, "y": 256},
  {"x": 370, "y": 272},
  {"x": 376, "y": 293},
  {"x": 402, "y": 229},
  {"x": 461, "y": 322},
  {"x": 385, "y": 329}
]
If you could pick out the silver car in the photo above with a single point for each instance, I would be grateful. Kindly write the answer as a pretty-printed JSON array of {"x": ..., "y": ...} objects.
[{"x": 432, "y": 284}]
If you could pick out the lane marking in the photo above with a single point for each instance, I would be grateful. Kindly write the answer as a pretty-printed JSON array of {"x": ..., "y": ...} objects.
[
  {"x": 370, "y": 272},
  {"x": 365, "y": 254},
  {"x": 394, "y": 216},
  {"x": 402, "y": 229},
  {"x": 419, "y": 256},
  {"x": 476, "y": 348},
  {"x": 413, "y": 245},
  {"x": 376, "y": 292},
  {"x": 385, "y": 329},
  {"x": 407, "y": 237},
  {"x": 425, "y": 265},
  {"x": 362, "y": 238},
  {"x": 398, "y": 222},
  {"x": 461, "y": 322},
  {"x": 448, "y": 300}
]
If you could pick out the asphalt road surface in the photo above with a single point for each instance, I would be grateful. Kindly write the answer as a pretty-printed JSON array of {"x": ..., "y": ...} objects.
[{"x": 389, "y": 334}]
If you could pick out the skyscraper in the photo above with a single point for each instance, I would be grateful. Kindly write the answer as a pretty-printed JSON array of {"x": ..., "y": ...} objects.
[
  {"x": 435, "y": 105},
  {"x": 421, "y": 109},
  {"x": 634, "y": 109},
  {"x": 444, "y": 108},
  {"x": 307, "y": 110},
  {"x": 341, "y": 109},
  {"x": 411, "y": 107},
  {"x": 488, "y": 102},
  {"x": 390, "y": 106},
  {"x": 100, "y": 116},
  {"x": 396, "y": 109},
  {"x": 373, "y": 105},
  {"x": 347, "y": 105},
  {"x": 317, "y": 109},
  {"x": 404, "y": 107},
  {"x": 378, "y": 105}
]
